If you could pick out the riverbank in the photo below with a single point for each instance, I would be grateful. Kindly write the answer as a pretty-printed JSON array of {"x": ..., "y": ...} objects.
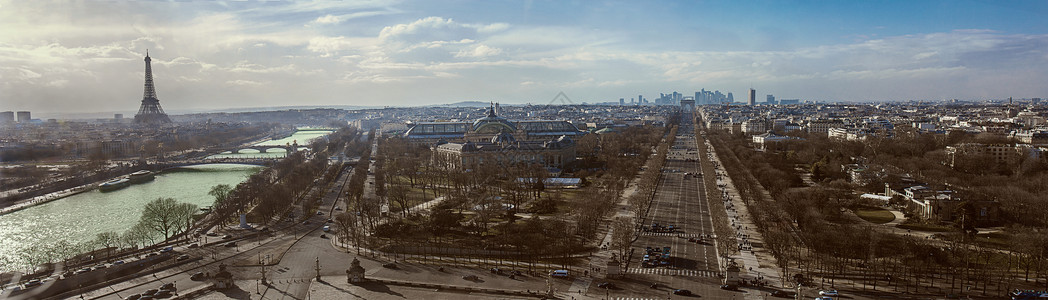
[
  {"x": 77, "y": 219},
  {"x": 27, "y": 203}
]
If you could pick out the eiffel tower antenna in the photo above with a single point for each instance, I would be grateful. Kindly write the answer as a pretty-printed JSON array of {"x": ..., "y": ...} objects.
[
  {"x": 150, "y": 111},
  {"x": 562, "y": 98}
]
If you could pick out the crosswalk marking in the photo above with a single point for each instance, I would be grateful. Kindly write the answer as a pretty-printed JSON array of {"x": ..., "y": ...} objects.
[
  {"x": 673, "y": 234},
  {"x": 664, "y": 271}
]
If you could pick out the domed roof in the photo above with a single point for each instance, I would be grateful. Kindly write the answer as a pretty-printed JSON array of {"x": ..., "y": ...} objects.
[
  {"x": 503, "y": 138},
  {"x": 492, "y": 123}
]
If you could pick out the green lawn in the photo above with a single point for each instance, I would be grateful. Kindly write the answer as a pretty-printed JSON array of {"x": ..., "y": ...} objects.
[{"x": 875, "y": 215}]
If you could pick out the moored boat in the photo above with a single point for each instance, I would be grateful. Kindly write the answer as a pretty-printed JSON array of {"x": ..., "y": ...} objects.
[
  {"x": 141, "y": 176},
  {"x": 114, "y": 184}
]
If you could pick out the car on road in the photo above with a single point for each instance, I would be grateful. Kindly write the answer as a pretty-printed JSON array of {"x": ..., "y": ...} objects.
[
  {"x": 167, "y": 249},
  {"x": 194, "y": 245},
  {"x": 471, "y": 277},
  {"x": 559, "y": 273},
  {"x": 729, "y": 287},
  {"x": 183, "y": 257},
  {"x": 831, "y": 293},
  {"x": 780, "y": 294},
  {"x": 231, "y": 244},
  {"x": 117, "y": 263},
  {"x": 682, "y": 292},
  {"x": 81, "y": 271},
  {"x": 327, "y": 228},
  {"x": 606, "y": 285},
  {"x": 212, "y": 234},
  {"x": 823, "y": 298},
  {"x": 320, "y": 213},
  {"x": 145, "y": 297},
  {"x": 168, "y": 286},
  {"x": 150, "y": 292},
  {"x": 133, "y": 297},
  {"x": 339, "y": 208},
  {"x": 197, "y": 276},
  {"x": 226, "y": 237},
  {"x": 162, "y": 294}
]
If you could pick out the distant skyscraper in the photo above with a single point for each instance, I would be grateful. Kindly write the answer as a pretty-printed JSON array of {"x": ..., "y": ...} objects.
[
  {"x": 24, "y": 117},
  {"x": 622, "y": 101},
  {"x": 753, "y": 97},
  {"x": 771, "y": 99},
  {"x": 150, "y": 111},
  {"x": 730, "y": 97},
  {"x": 7, "y": 117}
]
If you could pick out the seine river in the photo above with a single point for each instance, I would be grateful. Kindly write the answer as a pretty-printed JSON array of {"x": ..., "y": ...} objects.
[
  {"x": 78, "y": 218},
  {"x": 302, "y": 137}
]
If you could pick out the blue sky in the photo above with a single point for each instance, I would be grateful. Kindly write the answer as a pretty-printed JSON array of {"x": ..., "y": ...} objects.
[{"x": 65, "y": 56}]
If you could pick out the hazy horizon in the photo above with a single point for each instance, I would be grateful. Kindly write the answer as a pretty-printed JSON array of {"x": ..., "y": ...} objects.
[{"x": 73, "y": 57}]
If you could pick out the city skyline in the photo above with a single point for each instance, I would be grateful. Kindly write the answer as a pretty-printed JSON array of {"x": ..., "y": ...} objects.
[{"x": 84, "y": 57}]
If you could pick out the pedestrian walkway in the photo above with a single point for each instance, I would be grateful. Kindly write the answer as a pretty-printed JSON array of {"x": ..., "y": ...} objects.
[
  {"x": 674, "y": 234},
  {"x": 746, "y": 233},
  {"x": 426, "y": 206},
  {"x": 664, "y": 271},
  {"x": 581, "y": 283}
]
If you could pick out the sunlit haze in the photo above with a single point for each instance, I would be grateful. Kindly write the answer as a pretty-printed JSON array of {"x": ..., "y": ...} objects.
[{"x": 87, "y": 56}]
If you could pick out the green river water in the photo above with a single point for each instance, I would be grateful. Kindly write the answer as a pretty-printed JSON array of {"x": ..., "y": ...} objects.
[{"x": 79, "y": 218}]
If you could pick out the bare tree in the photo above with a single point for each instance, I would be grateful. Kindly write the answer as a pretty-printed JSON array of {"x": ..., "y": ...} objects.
[
  {"x": 166, "y": 216},
  {"x": 623, "y": 235},
  {"x": 107, "y": 240},
  {"x": 220, "y": 192}
]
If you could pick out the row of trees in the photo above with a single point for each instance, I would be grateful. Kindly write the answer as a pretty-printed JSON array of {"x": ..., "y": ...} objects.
[
  {"x": 829, "y": 244},
  {"x": 275, "y": 191},
  {"x": 161, "y": 219},
  {"x": 718, "y": 211},
  {"x": 480, "y": 204}
]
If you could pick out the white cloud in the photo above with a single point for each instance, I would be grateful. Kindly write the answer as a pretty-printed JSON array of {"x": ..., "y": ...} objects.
[
  {"x": 478, "y": 51},
  {"x": 241, "y": 82},
  {"x": 28, "y": 74},
  {"x": 327, "y": 19},
  {"x": 77, "y": 57},
  {"x": 328, "y": 45}
]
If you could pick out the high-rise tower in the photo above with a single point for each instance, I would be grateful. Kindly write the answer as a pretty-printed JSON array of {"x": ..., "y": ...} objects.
[
  {"x": 753, "y": 97},
  {"x": 150, "y": 111}
]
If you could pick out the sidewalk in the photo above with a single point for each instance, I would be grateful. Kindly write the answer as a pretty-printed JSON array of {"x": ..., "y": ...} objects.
[{"x": 746, "y": 232}]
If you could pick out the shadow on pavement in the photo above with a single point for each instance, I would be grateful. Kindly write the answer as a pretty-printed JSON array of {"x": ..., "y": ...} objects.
[
  {"x": 380, "y": 288},
  {"x": 344, "y": 291},
  {"x": 235, "y": 293}
]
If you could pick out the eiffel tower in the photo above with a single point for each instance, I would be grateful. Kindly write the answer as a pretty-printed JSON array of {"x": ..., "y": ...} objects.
[{"x": 150, "y": 111}]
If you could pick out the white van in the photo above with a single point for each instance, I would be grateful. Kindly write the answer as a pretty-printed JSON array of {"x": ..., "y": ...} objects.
[
  {"x": 559, "y": 273},
  {"x": 327, "y": 228}
]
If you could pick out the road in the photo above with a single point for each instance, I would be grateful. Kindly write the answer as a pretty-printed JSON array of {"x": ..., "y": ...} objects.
[
  {"x": 294, "y": 249},
  {"x": 680, "y": 201}
]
